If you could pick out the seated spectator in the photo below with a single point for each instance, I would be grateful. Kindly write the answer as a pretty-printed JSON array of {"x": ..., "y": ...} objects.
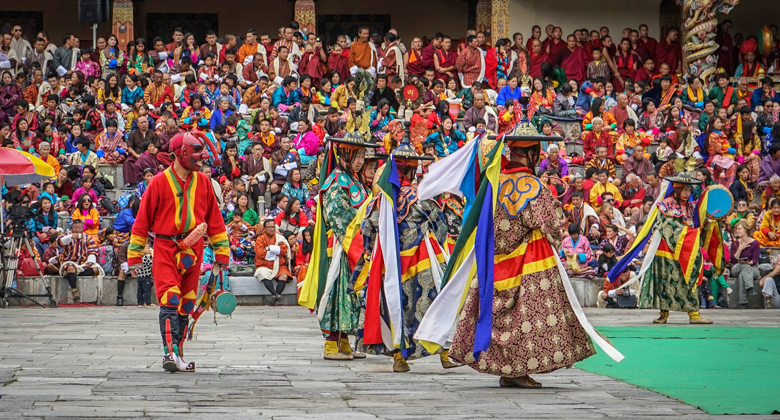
[
  {"x": 555, "y": 163},
  {"x": 608, "y": 297},
  {"x": 306, "y": 142},
  {"x": 607, "y": 259},
  {"x": 248, "y": 215},
  {"x": 131, "y": 170},
  {"x": 78, "y": 256},
  {"x": 744, "y": 260},
  {"x": 140, "y": 189},
  {"x": 633, "y": 193},
  {"x": 339, "y": 97},
  {"x": 769, "y": 165},
  {"x": 771, "y": 190},
  {"x": 278, "y": 206},
  {"x": 63, "y": 186},
  {"x": 512, "y": 91},
  {"x": 637, "y": 164},
  {"x": 111, "y": 144},
  {"x": 231, "y": 165},
  {"x": 240, "y": 234},
  {"x": 292, "y": 219},
  {"x": 769, "y": 289},
  {"x": 598, "y": 137},
  {"x": 86, "y": 188},
  {"x": 768, "y": 233},
  {"x": 446, "y": 139},
  {"x": 563, "y": 106},
  {"x": 739, "y": 188},
  {"x": 123, "y": 224},
  {"x": 600, "y": 160},
  {"x": 86, "y": 212},
  {"x": 619, "y": 243},
  {"x": 45, "y": 220},
  {"x": 602, "y": 187},
  {"x": 639, "y": 216},
  {"x": 577, "y": 253},
  {"x": 83, "y": 156},
  {"x": 282, "y": 161},
  {"x": 597, "y": 110},
  {"x": 272, "y": 259}
]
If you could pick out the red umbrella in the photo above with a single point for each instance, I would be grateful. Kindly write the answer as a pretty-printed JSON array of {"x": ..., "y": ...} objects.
[{"x": 14, "y": 163}]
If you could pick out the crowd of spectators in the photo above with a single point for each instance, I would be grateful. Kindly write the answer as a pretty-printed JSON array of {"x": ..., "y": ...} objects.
[{"x": 269, "y": 105}]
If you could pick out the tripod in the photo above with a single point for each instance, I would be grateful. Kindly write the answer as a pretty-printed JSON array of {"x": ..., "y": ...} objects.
[{"x": 10, "y": 267}]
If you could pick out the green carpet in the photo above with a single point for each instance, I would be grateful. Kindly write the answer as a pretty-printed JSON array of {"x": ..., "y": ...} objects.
[{"x": 722, "y": 370}]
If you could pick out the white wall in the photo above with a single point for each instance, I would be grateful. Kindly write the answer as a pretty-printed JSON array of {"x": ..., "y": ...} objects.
[{"x": 592, "y": 14}]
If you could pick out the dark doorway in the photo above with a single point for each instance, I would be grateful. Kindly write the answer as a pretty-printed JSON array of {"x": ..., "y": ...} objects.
[
  {"x": 331, "y": 26},
  {"x": 31, "y": 23},
  {"x": 162, "y": 25},
  {"x": 671, "y": 17}
]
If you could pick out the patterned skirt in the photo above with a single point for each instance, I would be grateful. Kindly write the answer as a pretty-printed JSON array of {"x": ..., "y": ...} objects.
[
  {"x": 342, "y": 306},
  {"x": 664, "y": 288},
  {"x": 419, "y": 292},
  {"x": 534, "y": 329}
]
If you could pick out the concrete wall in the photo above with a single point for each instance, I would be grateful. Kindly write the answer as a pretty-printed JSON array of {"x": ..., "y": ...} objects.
[{"x": 576, "y": 14}]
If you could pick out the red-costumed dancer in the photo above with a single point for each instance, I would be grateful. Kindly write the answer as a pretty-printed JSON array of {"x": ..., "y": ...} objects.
[{"x": 176, "y": 203}]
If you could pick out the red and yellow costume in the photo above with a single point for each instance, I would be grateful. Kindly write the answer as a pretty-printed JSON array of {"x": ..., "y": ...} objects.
[{"x": 172, "y": 207}]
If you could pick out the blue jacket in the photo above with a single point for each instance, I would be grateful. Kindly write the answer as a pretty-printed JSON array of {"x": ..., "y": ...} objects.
[
  {"x": 279, "y": 97},
  {"x": 755, "y": 100},
  {"x": 450, "y": 141},
  {"x": 124, "y": 220},
  {"x": 507, "y": 93},
  {"x": 218, "y": 117},
  {"x": 39, "y": 222}
]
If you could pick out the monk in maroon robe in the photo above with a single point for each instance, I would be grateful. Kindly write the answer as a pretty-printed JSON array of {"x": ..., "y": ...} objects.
[
  {"x": 574, "y": 60},
  {"x": 338, "y": 63},
  {"x": 669, "y": 51},
  {"x": 414, "y": 59},
  {"x": 536, "y": 58},
  {"x": 556, "y": 47},
  {"x": 726, "y": 51},
  {"x": 311, "y": 64},
  {"x": 648, "y": 42}
]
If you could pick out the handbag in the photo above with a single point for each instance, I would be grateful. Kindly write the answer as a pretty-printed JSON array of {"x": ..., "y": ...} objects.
[{"x": 626, "y": 301}]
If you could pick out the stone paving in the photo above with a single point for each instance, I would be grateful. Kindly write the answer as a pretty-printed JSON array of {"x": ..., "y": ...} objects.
[{"x": 266, "y": 363}]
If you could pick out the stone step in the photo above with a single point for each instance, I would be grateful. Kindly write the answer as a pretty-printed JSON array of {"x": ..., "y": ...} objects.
[
  {"x": 103, "y": 290},
  {"x": 113, "y": 173}
]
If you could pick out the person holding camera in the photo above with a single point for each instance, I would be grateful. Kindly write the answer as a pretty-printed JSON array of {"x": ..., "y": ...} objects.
[{"x": 78, "y": 257}]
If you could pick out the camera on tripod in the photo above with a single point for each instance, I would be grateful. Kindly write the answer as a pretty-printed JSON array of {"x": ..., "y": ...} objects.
[{"x": 19, "y": 215}]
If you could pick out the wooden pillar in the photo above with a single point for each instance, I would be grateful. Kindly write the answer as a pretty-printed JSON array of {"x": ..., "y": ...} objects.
[
  {"x": 697, "y": 37},
  {"x": 305, "y": 15},
  {"x": 483, "y": 15},
  {"x": 499, "y": 22},
  {"x": 122, "y": 22}
]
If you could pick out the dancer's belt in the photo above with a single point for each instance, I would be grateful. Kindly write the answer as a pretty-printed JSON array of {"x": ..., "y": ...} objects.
[{"x": 175, "y": 238}]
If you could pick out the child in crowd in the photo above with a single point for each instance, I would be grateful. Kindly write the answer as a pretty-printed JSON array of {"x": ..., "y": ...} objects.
[{"x": 144, "y": 276}]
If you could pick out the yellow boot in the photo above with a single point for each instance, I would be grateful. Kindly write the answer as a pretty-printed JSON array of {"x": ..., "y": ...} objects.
[
  {"x": 332, "y": 352},
  {"x": 662, "y": 319},
  {"x": 695, "y": 318},
  {"x": 399, "y": 364},
  {"x": 347, "y": 349},
  {"x": 446, "y": 363}
]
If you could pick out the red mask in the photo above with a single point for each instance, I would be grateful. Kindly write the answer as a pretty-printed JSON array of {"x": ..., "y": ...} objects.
[{"x": 190, "y": 149}]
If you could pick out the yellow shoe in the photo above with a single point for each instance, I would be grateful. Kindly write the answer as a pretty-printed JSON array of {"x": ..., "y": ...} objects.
[
  {"x": 662, "y": 318},
  {"x": 332, "y": 352},
  {"x": 347, "y": 349},
  {"x": 695, "y": 318},
  {"x": 400, "y": 365},
  {"x": 446, "y": 363}
]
